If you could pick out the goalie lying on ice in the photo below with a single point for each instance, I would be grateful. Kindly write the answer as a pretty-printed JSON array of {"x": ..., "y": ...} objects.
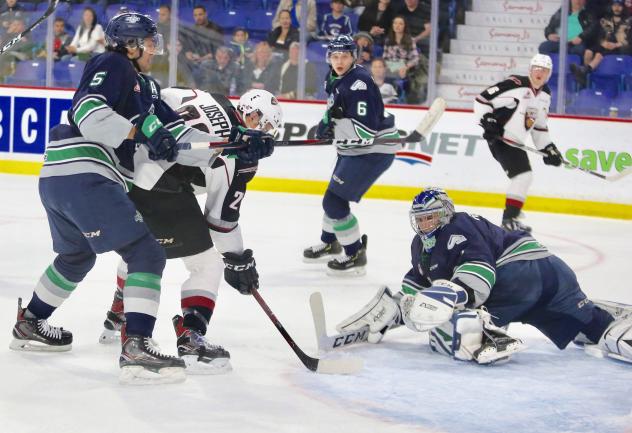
[{"x": 470, "y": 278}]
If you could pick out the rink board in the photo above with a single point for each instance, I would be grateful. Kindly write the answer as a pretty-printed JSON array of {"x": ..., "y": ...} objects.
[{"x": 461, "y": 163}]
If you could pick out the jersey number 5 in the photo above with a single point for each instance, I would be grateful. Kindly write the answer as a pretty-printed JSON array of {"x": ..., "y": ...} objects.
[{"x": 97, "y": 79}]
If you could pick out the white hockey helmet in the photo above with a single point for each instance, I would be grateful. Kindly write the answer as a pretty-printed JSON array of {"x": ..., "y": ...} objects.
[
  {"x": 198, "y": 109},
  {"x": 266, "y": 105},
  {"x": 542, "y": 61}
]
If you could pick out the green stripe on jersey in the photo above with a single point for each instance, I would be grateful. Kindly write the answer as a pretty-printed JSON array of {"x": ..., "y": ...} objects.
[
  {"x": 363, "y": 133},
  {"x": 143, "y": 279},
  {"x": 79, "y": 151},
  {"x": 177, "y": 131},
  {"x": 484, "y": 272},
  {"x": 526, "y": 247},
  {"x": 409, "y": 290},
  {"x": 86, "y": 107},
  {"x": 58, "y": 280}
]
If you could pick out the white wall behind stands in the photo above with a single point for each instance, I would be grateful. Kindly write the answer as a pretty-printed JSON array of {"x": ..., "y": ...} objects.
[{"x": 461, "y": 160}]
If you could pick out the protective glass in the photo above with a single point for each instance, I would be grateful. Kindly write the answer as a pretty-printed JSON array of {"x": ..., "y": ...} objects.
[{"x": 154, "y": 45}]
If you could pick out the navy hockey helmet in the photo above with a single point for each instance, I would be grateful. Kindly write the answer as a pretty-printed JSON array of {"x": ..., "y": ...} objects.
[
  {"x": 131, "y": 30},
  {"x": 342, "y": 43},
  {"x": 431, "y": 209}
]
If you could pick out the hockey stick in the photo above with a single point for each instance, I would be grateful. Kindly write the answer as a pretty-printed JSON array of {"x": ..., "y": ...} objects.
[
  {"x": 201, "y": 152},
  {"x": 16, "y": 39},
  {"x": 324, "y": 341},
  {"x": 612, "y": 178},
  {"x": 326, "y": 366}
]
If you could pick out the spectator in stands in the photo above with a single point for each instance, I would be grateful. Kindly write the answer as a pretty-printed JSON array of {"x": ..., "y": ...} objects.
[
  {"x": 335, "y": 23},
  {"x": 364, "y": 42},
  {"x": 284, "y": 34},
  {"x": 164, "y": 22},
  {"x": 376, "y": 19},
  {"x": 403, "y": 60},
  {"x": 417, "y": 18},
  {"x": 294, "y": 7},
  {"x": 262, "y": 72},
  {"x": 242, "y": 48},
  {"x": 289, "y": 75},
  {"x": 25, "y": 49},
  {"x": 220, "y": 75},
  {"x": 89, "y": 38},
  {"x": 612, "y": 38},
  {"x": 9, "y": 10},
  {"x": 628, "y": 6},
  {"x": 200, "y": 41},
  {"x": 388, "y": 89},
  {"x": 61, "y": 39},
  {"x": 581, "y": 30}
]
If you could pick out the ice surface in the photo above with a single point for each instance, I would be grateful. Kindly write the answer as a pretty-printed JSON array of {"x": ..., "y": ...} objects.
[{"x": 403, "y": 387}]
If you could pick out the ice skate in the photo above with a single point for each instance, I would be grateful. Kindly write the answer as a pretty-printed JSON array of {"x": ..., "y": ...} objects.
[
  {"x": 321, "y": 252},
  {"x": 37, "y": 335},
  {"x": 200, "y": 356},
  {"x": 349, "y": 265},
  {"x": 114, "y": 320},
  {"x": 142, "y": 363}
]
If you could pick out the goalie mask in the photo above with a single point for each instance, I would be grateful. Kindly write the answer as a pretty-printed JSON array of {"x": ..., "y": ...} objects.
[
  {"x": 431, "y": 210},
  {"x": 263, "y": 104}
]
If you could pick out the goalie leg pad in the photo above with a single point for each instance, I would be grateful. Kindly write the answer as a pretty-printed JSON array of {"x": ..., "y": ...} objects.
[
  {"x": 470, "y": 336},
  {"x": 616, "y": 342},
  {"x": 378, "y": 315}
]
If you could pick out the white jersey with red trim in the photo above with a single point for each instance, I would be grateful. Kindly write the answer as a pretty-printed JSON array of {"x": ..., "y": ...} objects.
[{"x": 519, "y": 108}]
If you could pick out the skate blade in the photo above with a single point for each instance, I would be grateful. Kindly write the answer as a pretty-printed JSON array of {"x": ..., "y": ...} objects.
[
  {"x": 352, "y": 272},
  {"x": 36, "y": 346},
  {"x": 137, "y": 375},
  {"x": 110, "y": 336},
  {"x": 324, "y": 259},
  {"x": 216, "y": 366}
]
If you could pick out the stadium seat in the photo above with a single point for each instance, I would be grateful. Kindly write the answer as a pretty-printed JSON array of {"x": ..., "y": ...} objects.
[
  {"x": 316, "y": 51},
  {"x": 571, "y": 58},
  {"x": 28, "y": 73},
  {"x": 228, "y": 20},
  {"x": 75, "y": 70},
  {"x": 590, "y": 102},
  {"x": 61, "y": 75},
  {"x": 259, "y": 20},
  {"x": 624, "y": 103},
  {"x": 607, "y": 78}
]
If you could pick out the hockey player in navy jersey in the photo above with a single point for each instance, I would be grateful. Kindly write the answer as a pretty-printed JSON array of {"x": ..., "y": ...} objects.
[
  {"x": 83, "y": 184},
  {"x": 165, "y": 194},
  {"x": 469, "y": 278},
  {"x": 354, "y": 110},
  {"x": 510, "y": 111}
]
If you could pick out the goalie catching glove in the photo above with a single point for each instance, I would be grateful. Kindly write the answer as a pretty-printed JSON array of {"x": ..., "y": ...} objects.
[
  {"x": 432, "y": 306},
  {"x": 240, "y": 271}
]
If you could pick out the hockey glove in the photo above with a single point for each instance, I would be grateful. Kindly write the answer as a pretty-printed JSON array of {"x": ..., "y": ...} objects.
[
  {"x": 241, "y": 271},
  {"x": 325, "y": 130},
  {"x": 254, "y": 144},
  {"x": 159, "y": 141},
  {"x": 492, "y": 129},
  {"x": 432, "y": 306},
  {"x": 553, "y": 157}
]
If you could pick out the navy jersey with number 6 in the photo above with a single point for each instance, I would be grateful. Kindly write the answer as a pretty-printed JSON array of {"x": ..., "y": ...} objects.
[{"x": 356, "y": 105}]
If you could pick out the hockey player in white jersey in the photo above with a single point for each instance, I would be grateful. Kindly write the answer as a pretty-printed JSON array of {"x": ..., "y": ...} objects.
[
  {"x": 509, "y": 111},
  {"x": 165, "y": 195}
]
